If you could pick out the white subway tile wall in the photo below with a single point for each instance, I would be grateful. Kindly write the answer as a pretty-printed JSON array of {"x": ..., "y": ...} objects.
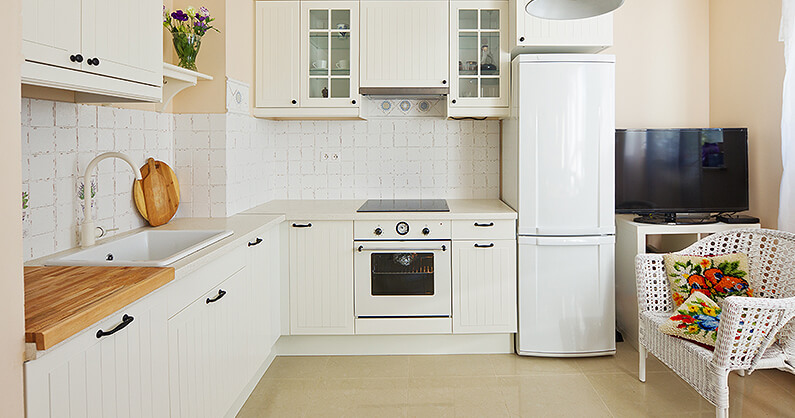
[
  {"x": 227, "y": 163},
  {"x": 58, "y": 141}
]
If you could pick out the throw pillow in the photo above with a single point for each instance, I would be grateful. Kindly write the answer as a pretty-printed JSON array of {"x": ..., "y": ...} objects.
[
  {"x": 697, "y": 319},
  {"x": 716, "y": 277}
]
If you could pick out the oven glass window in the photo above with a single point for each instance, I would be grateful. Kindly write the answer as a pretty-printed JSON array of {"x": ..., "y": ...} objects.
[{"x": 395, "y": 274}]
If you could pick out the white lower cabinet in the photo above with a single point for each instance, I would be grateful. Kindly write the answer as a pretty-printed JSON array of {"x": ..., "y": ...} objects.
[
  {"x": 265, "y": 295},
  {"x": 206, "y": 350},
  {"x": 484, "y": 286},
  {"x": 118, "y": 375},
  {"x": 321, "y": 277}
]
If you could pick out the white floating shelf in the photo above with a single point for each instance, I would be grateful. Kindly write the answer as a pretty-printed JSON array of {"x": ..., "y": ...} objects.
[{"x": 176, "y": 79}]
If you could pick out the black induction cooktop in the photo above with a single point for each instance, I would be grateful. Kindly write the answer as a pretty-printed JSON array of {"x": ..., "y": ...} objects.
[{"x": 404, "y": 205}]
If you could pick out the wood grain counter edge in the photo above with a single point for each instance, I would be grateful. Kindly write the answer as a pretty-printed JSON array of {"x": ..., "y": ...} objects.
[{"x": 63, "y": 301}]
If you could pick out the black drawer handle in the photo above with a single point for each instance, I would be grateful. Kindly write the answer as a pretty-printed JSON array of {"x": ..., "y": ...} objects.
[
  {"x": 221, "y": 294},
  {"x": 309, "y": 225},
  {"x": 76, "y": 58},
  {"x": 488, "y": 224},
  {"x": 491, "y": 244},
  {"x": 257, "y": 242},
  {"x": 125, "y": 320}
]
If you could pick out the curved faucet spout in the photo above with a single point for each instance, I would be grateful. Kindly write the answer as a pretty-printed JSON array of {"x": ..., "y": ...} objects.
[{"x": 88, "y": 230}]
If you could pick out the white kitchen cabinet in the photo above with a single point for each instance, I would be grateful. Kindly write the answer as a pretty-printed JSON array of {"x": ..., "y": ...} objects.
[
  {"x": 321, "y": 277},
  {"x": 207, "y": 350},
  {"x": 115, "y": 47},
  {"x": 278, "y": 53},
  {"x": 313, "y": 69},
  {"x": 264, "y": 316},
  {"x": 480, "y": 59},
  {"x": 530, "y": 34},
  {"x": 484, "y": 286},
  {"x": 118, "y": 375},
  {"x": 404, "y": 43}
]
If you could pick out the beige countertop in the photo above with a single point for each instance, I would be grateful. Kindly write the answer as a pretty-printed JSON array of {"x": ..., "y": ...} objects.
[{"x": 346, "y": 210}]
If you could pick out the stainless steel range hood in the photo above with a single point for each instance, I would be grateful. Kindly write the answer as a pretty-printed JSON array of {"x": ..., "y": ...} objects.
[{"x": 405, "y": 91}]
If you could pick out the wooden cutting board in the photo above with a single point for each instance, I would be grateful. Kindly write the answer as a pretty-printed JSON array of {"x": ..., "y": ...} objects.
[
  {"x": 157, "y": 195},
  {"x": 62, "y": 301}
]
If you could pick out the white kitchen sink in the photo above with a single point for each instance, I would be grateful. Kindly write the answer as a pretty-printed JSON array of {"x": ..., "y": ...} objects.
[{"x": 154, "y": 248}]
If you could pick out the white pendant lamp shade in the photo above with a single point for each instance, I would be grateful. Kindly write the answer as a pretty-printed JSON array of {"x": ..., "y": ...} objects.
[{"x": 570, "y": 9}]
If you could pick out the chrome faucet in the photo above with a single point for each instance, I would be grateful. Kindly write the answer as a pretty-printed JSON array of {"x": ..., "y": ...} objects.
[{"x": 88, "y": 231}]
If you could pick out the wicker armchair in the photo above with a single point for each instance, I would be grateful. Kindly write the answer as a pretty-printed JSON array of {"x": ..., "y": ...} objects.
[{"x": 754, "y": 333}]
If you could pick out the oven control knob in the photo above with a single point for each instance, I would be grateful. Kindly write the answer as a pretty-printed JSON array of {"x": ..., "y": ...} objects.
[
  {"x": 402, "y": 228},
  {"x": 378, "y": 231},
  {"x": 426, "y": 231}
]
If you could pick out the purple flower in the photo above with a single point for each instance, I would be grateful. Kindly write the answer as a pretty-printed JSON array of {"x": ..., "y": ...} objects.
[
  {"x": 203, "y": 10},
  {"x": 179, "y": 15},
  {"x": 200, "y": 17}
]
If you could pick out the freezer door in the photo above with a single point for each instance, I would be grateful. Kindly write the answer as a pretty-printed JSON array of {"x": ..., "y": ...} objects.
[
  {"x": 566, "y": 296},
  {"x": 566, "y": 142}
]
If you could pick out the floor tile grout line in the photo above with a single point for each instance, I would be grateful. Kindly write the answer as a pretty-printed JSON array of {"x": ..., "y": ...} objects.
[{"x": 601, "y": 398}]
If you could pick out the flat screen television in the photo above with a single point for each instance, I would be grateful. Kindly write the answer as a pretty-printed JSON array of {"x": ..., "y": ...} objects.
[{"x": 661, "y": 172}]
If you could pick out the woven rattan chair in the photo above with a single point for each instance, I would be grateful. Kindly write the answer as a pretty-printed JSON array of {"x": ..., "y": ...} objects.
[{"x": 754, "y": 333}]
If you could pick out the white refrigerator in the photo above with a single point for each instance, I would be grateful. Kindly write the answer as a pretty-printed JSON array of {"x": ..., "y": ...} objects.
[{"x": 558, "y": 174}]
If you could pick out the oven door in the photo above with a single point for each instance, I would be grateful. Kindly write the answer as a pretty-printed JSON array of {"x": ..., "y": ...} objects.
[{"x": 402, "y": 279}]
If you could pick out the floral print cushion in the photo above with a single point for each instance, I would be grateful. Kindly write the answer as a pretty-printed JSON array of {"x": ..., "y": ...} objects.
[
  {"x": 716, "y": 277},
  {"x": 697, "y": 319}
]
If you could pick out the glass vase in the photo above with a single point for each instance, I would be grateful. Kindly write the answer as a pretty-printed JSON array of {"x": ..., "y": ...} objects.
[{"x": 187, "y": 47}]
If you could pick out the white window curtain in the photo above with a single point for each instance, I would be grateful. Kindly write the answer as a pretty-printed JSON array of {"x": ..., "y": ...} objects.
[{"x": 786, "y": 205}]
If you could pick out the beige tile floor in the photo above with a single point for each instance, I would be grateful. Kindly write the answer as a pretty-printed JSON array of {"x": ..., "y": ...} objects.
[{"x": 500, "y": 385}]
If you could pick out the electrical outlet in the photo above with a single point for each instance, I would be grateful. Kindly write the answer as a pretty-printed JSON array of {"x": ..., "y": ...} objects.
[{"x": 330, "y": 155}]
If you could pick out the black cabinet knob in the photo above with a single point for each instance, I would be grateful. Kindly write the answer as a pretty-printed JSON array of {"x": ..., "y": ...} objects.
[
  {"x": 444, "y": 81},
  {"x": 294, "y": 101},
  {"x": 353, "y": 101},
  {"x": 378, "y": 231},
  {"x": 93, "y": 61},
  {"x": 76, "y": 58},
  {"x": 453, "y": 101},
  {"x": 426, "y": 231},
  {"x": 96, "y": 61},
  {"x": 521, "y": 39}
]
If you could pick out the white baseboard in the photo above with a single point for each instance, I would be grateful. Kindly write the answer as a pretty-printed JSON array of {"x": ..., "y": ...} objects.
[
  {"x": 333, "y": 345},
  {"x": 249, "y": 388}
]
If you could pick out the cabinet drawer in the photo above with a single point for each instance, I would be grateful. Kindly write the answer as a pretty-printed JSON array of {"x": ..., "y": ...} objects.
[{"x": 484, "y": 229}]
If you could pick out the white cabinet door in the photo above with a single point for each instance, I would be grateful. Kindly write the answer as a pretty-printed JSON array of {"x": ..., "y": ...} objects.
[
  {"x": 484, "y": 286},
  {"x": 51, "y": 32},
  {"x": 264, "y": 296},
  {"x": 207, "y": 351},
  {"x": 277, "y": 55},
  {"x": 481, "y": 59},
  {"x": 118, "y": 375},
  {"x": 329, "y": 53},
  {"x": 321, "y": 277},
  {"x": 535, "y": 35},
  {"x": 404, "y": 43},
  {"x": 123, "y": 39}
]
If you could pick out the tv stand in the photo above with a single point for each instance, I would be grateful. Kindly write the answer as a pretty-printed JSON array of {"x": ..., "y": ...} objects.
[
  {"x": 634, "y": 238},
  {"x": 672, "y": 219}
]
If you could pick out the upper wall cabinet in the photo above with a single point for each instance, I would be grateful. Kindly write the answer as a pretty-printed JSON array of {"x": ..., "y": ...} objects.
[
  {"x": 480, "y": 59},
  {"x": 404, "y": 43},
  {"x": 307, "y": 59},
  {"x": 530, "y": 34},
  {"x": 108, "y": 48}
]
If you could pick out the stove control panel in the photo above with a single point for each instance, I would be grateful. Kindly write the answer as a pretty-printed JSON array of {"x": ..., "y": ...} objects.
[{"x": 398, "y": 230}]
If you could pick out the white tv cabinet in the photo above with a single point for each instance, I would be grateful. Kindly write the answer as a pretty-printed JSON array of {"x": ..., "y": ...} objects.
[{"x": 632, "y": 238}]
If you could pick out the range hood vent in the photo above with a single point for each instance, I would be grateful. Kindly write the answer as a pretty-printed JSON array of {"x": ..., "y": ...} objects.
[{"x": 405, "y": 91}]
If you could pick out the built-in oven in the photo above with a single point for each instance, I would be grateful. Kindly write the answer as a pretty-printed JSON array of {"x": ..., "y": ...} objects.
[{"x": 402, "y": 269}]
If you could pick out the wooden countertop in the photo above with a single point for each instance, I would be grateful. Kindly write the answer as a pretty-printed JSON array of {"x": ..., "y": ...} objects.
[{"x": 62, "y": 301}]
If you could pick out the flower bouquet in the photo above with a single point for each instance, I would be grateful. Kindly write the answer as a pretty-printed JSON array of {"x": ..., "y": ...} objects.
[{"x": 187, "y": 27}]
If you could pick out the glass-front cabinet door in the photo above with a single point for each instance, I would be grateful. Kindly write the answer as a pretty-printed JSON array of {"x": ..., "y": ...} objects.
[
  {"x": 481, "y": 58},
  {"x": 330, "y": 54}
]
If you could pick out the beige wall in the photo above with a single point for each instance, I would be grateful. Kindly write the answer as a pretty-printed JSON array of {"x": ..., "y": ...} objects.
[
  {"x": 746, "y": 81},
  {"x": 207, "y": 96},
  {"x": 662, "y": 63},
  {"x": 240, "y": 16},
  {"x": 12, "y": 314}
]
